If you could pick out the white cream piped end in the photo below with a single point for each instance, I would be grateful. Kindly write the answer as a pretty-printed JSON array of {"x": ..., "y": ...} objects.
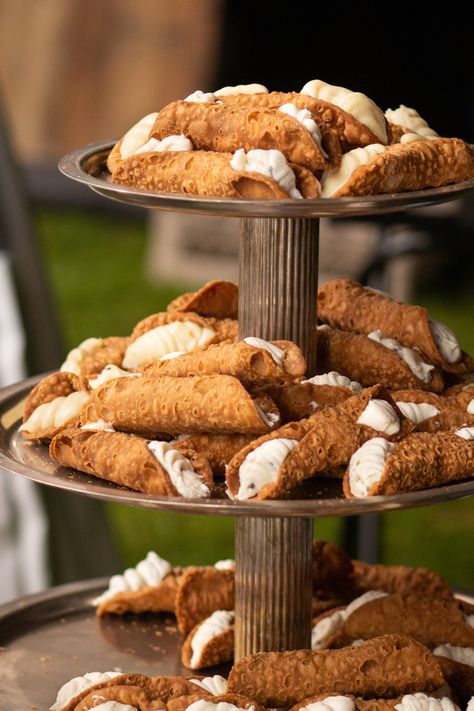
[
  {"x": 446, "y": 341},
  {"x": 216, "y": 624},
  {"x": 150, "y": 347},
  {"x": 367, "y": 465},
  {"x": 72, "y": 688},
  {"x": 261, "y": 466},
  {"x": 418, "y": 412},
  {"x": 180, "y": 470},
  {"x": 271, "y": 163},
  {"x": 278, "y": 354},
  {"x": 335, "y": 178},
  {"x": 137, "y": 135},
  {"x": 380, "y": 416}
]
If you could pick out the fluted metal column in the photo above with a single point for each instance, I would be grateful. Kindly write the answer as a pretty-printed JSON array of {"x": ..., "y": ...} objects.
[{"x": 277, "y": 300}]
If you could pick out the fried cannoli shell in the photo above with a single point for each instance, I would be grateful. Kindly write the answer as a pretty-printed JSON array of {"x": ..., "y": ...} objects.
[
  {"x": 226, "y": 329},
  {"x": 460, "y": 678},
  {"x": 429, "y": 620},
  {"x": 202, "y": 591},
  {"x": 251, "y": 365},
  {"x": 134, "y": 696},
  {"x": 174, "y": 687},
  {"x": 157, "y": 598},
  {"x": 465, "y": 386},
  {"x": 108, "y": 350},
  {"x": 119, "y": 457},
  {"x": 420, "y": 461},
  {"x": 419, "y": 396},
  {"x": 333, "y": 571},
  {"x": 399, "y": 579},
  {"x": 350, "y": 132},
  {"x": 218, "y": 650},
  {"x": 225, "y": 128},
  {"x": 134, "y": 680},
  {"x": 395, "y": 132},
  {"x": 216, "y": 298},
  {"x": 218, "y": 449},
  {"x": 383, "y": 667},
  {"x": 451, "y": 418},
  {"x": 362, "y": 359},
  {"x": 207, "y": 403},
  {"x": 298, "y": 400},
  {"x": 347, "y": 305},
  {"x": 181, "y": 703}
]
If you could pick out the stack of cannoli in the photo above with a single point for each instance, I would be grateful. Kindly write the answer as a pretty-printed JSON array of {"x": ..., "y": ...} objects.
[
  {"x": 324, "y": 141},
  {"x": 183, "y": 403}
]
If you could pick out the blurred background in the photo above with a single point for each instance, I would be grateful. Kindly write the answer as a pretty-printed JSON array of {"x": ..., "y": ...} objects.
[{"x": 73, "y": 265}]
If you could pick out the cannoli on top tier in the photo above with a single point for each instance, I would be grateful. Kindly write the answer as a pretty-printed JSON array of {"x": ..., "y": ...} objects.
[
  {"x": 346, "y": 304},
  {"x": 415, "y": 163},
  {"x": 373, "y": 359},
  {"x": 151, "y": 467},
  {"x": 202, "y": 591},
  {"x": 457, "y": 664},
  {"x": 135, "y": 138},
  {"x": 410, "y": 120},
  {"x": 383, "y": 667},
  {"x": 216, "y": 298},
  {"x": 201, "y": 403},
  {"x": 420, "y": 461},
  {"x": 211, "y": 642},
  {"x": 253, "y": 361},
  {"x": 256, "y": 175},
  {"x": 54, "y": 404},
  {"x": 148, "y": 587},
  {"x": 91, "y": 356},
  {"x": 225, "y": 128}
]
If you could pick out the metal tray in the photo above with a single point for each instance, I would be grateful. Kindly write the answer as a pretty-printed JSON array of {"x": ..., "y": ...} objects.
[
  {"x": 49, "y": 638},
  {"x": 88, "y": 165},
  {"x": 317, "y": 497}
]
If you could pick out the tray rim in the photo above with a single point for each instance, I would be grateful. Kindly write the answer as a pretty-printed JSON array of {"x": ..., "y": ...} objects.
[
  {"x": 73, "y": 165},
  {"x": 12, "y": 395}
]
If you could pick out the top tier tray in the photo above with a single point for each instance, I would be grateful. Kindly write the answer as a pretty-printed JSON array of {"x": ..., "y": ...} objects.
[{"x": 88, "y": 165}]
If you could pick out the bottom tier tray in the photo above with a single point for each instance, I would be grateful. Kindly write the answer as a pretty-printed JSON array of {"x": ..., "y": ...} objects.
[{"x": 47, "y": 639}]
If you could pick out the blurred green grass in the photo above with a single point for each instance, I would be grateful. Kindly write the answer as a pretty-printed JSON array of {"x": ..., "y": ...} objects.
[{"x": 96, "y": 264}]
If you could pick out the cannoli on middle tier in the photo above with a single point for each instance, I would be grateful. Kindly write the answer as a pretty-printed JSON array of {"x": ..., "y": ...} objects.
[
  {"x": 207, "y": 403},
  {"x": 218, "y": 449},
  {"x": 434, "y": 413}
]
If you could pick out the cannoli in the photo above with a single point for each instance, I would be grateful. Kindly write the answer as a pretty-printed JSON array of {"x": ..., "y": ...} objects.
[
  {"x": 133, "y": 140},
  {"x": 215, "y": 298},
  {"x": 74, "y": 690},
  {"x": 271, "y": 467},
  {"x": 226, "y": 702},
  {"x": 457, "y": 665},
  {"x": 150, "y": 586},
  {"x": 118, "y": 698},
  {"x": 127, "y": 460},
  {"x": 432, "y": 413},
  {"x": 54, "y": 404},
  {"x": 329, "y": 628},
  {"x": 332, "y": 119},
  {"x": 410, "y": 120},
  {"x": 420, "y": 461},
  {"x": 202, "y": 591},
  {"x": 253, "y": 361},
  {"x": 174, "y": 687},
  {"x": 400, "y": 579},
  {"x": 383, "y": 667},
  {"x": 225, "y": 128},
  {"x": 336, "y": 702},
  {"x": 207, "y": 403},
  {"x": 218, "y": 449},
  {"x": 345, "y": 304},
  {"x": 218, "y": 175},
  {"x": 409, "y": 165},
  {"x": 211, "y": 642},
  {"x": 94, "y": 354},
  {"x": 332, "y": 571},
  {"x": 369, "y": 361}
]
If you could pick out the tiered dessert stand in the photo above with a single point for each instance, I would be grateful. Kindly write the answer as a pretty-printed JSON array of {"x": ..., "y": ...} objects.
[{"x": 54, "y": 636}]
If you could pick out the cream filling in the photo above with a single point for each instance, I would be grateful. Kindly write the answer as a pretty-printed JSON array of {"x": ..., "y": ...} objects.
[
  {"x": 76, "y": 686},
  {"x": 149, "y": 572},
  {"x": 276, "y": 353},
  {"x": 367, "y": 465},
  {"x": 446, "y": 341},
  {"x": 182, "y": 336},
  {"x": 470, "y": 407},
  {"x": 305, "y": 118},
  {"x": 184, "y": 478},
  {"x": 137, "y": 135},
  {"x": 465, "y": 433},
  {"x": 271, "y": 163},
  {"x": 470, "y": 704},
  {"x": 332, "y": 703},
  {"x": 169, "y": 143},
  {"x": 219, "y": 622},
  {"x": 261, "y": 466},
  {"x": 418, "y": 412},
  {"x": 354, "y": 102},
  {"x": 327, "y": 626},
  {"x": 463, "y": 655},
  {"x": 469, "y": 620},
  {"x": 269, "y": 418},
  {"x": 215, "y": 685},
  {"x": 413, "y": 137},
  {"x": 56, "y": 413},
  {"x": 335, "y": 380},
  {"x": 241, "y": 89},
  {"x": 381, "y": 416},
  {"x": 228, "y": 564},
  {"x": 422, "y": 702},
  {"x": 75, "y": 358},
  {"x": 170, "y": 356},
  {"x": 99, "y": 425},
  {"x": 114, "y": 706},
  {"x": 206, "y": 705},
  {"x": 410, "y": 118},
  {"x": 413, "y": 360},
  {"x": 110, "y": 372},
  {"x": 334, "y": 179},
  {"x": 201, "y": 97}
]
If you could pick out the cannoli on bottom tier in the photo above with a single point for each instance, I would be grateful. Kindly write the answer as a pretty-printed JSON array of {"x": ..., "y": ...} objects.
[
  {"x": 383, "y": 667},
  {"x": 73, "y": 691},
  {"x": 202, "y": 591},
  {"x": 410, "y": 702},
  {"x": 216, "y": 298},
  {"x": 400, "y": 579},
  {"x": 457, "y": 665},
  {"x": 211, "y": 642}
]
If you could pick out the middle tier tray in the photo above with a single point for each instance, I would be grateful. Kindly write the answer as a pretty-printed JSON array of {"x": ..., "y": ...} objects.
[{"x": 316, "y": 497}]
